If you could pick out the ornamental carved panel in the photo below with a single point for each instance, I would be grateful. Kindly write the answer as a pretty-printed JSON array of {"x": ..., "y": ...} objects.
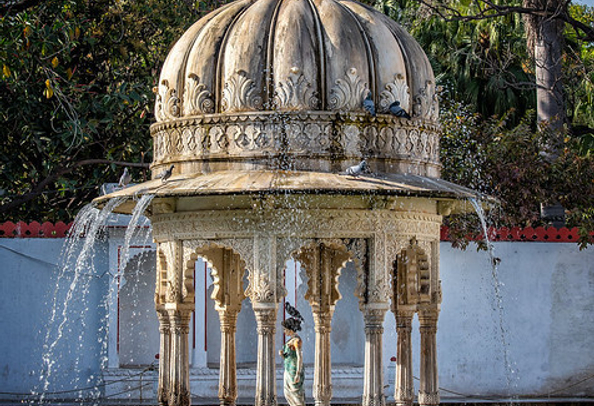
[{"x": 247, "y": 134}]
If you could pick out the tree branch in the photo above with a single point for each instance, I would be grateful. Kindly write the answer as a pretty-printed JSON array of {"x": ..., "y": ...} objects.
[
  {"x": 17, "y": 6},
  {"x": 492, "y": 10},
  {"x": 40, "y": 187}
]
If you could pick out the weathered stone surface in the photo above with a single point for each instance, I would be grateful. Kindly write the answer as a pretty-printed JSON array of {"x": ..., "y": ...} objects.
[{"x": 281, "y": 84}]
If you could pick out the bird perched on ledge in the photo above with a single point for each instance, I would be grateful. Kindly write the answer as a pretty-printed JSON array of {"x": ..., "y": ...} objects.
[
  {"x": 166, "y": 174},
  {"x": 369, "y": 105},
  {"x": 357, "y": 170},
  {"x": 398, "y": 111},
  {"x": 292, "y": 311},
  {"x": 125, "y": 178}
]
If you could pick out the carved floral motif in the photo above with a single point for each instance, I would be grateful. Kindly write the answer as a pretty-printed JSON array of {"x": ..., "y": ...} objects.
[
  {"x": 167, "y": 103},
  {"x": 197, "y": 98},
  {"x": 240, "y": 94},
  {"x": 348, "y": 93},
  {"x": 396, "y": 91},
  {"x": 295, "y": 93},
  {"x": 426, "y": 102}
]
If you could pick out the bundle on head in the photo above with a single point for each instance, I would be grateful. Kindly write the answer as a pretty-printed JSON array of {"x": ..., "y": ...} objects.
[{"x": 292, "y": 324}]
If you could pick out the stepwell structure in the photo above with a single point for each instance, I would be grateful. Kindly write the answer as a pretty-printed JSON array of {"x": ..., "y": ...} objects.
[{"x": 260, "y": 111}]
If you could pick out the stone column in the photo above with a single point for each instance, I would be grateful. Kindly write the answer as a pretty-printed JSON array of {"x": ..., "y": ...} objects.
[
  {"x": 322, "y": 388},
  {"x": 429, "y": 387},
  {"x": 227, "y": 370},
  {"x": 323, "y": 263},
  {"x": 266, "y": 366},
  {"x": 179, "y": 367},
  {"x": 403, "y": 394},
  {"x": 373, "y": 384},
  {"x": 164, "y": 353}
]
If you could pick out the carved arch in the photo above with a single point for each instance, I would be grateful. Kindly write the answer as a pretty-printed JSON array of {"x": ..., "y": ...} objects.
[
  {"x": 131, "y": 260},
  {"x": 323, "y": 260},
  {"x": 227, "y": 269}
]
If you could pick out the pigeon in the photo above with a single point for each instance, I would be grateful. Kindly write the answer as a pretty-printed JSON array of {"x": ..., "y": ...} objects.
[
  {"x": 292, "y": 311},
  {"x": 166, "y": 174},
  {"x": 369, "y": 105},
  {"x": 398, "y": 111},
  {"x": 357, "y": 170},
  {"x": 125, "y": 178}
]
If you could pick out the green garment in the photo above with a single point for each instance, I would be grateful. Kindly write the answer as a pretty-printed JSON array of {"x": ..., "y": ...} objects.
[{"x": 294, "y": 391}]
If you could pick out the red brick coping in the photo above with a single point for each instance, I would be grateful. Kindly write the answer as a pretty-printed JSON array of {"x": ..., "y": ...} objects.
[
  {"x": 539, "y": 234},
  {"x": 34, "y": 230},
  {"x": 528, "y": 234}
]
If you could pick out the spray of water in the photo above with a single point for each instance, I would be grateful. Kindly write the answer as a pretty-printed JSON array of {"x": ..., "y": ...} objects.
[
  {"x": 494, "y": 261},
  {"x": 75, "y": 265},
  {"x": 141, "y": 206}
]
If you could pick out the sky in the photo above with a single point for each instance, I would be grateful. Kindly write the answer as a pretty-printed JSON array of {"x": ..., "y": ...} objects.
[{"x": 589, "y": 3}]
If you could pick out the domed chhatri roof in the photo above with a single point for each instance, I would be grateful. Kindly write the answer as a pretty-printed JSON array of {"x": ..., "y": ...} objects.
[{"x": 280, "y": 84}]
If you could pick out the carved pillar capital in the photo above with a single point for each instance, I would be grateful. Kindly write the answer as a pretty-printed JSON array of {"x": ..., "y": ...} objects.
[
  {"x": 323, "y": 321},
  {"x": 265, "y": 320},
  {"x": 374, "y": 319},
  {"x": 404, "y": 320},
  {"x": 228, "y": 320}
]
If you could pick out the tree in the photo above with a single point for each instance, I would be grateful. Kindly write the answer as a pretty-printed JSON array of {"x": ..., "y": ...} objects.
[
  {"x": 547, "y": 23},
  {"x": 76, "y": 96}
]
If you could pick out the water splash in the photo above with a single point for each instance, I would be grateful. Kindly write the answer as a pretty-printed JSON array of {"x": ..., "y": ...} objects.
[
  {"x": 494, "y": 261},
  {"x": 75, "y": 266},
  {"x": 141, "y": 206}
]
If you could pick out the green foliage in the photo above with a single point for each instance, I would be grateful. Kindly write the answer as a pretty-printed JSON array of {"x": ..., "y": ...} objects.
[
  {"x": 484, "y": 62},
  {"x": 515, "y": 166},
  {"x": 76, "y": 84}
]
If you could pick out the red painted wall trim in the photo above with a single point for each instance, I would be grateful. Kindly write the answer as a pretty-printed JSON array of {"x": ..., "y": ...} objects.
[
  {"x": 528, "y": 234},
  {"x": 34, "y": 230},
  {"x": 538, "y": 234}
]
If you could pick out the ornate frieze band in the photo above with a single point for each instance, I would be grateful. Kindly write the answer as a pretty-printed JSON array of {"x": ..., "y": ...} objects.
[
  {"x": 311, "y": 223},
  {"x": 252, "y": 134}
]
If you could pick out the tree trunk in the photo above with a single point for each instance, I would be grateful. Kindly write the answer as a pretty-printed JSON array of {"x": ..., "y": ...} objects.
[{"x": 545, "y": 39}]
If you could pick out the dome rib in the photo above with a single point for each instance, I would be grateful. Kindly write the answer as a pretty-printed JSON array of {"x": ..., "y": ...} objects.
[
  {"x": 368, "y": 51},
  {"x": 321, "y": 54},
  {"x": 217, "y": 91},
  {"x": 182, "y": 78},
  {"x": 269, "y": 62}
]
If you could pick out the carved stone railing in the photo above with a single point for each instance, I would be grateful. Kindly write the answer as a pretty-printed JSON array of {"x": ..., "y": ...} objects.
[{"x": 307, "y": 137}]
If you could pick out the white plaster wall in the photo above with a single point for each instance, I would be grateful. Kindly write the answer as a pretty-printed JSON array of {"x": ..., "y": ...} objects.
[
  {"x": 29, "y": 271},
  {"x": 139, "y": 325},
  {"x": 538, "y": 341},
  {"x": 546, "y": 329}
]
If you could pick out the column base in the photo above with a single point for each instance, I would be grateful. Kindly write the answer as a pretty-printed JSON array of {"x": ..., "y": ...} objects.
[
  {"x": 379, "y": 400},
  {"x": 431, "y": 398},
  {"x": 404, "y": 397}
]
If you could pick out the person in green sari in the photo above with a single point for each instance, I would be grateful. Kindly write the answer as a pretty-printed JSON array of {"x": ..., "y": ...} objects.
[{"x": 292, "y": 353}]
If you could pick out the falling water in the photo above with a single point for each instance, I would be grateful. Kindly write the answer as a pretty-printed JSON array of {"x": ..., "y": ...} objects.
[
  {"x": 141, "y": 206},
  {"x": 76, "y": 264},
  {"x": 497, "y": 288}
]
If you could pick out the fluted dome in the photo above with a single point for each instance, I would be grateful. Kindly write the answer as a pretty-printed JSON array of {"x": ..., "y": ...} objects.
[{"x": 280, "y": 84}]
